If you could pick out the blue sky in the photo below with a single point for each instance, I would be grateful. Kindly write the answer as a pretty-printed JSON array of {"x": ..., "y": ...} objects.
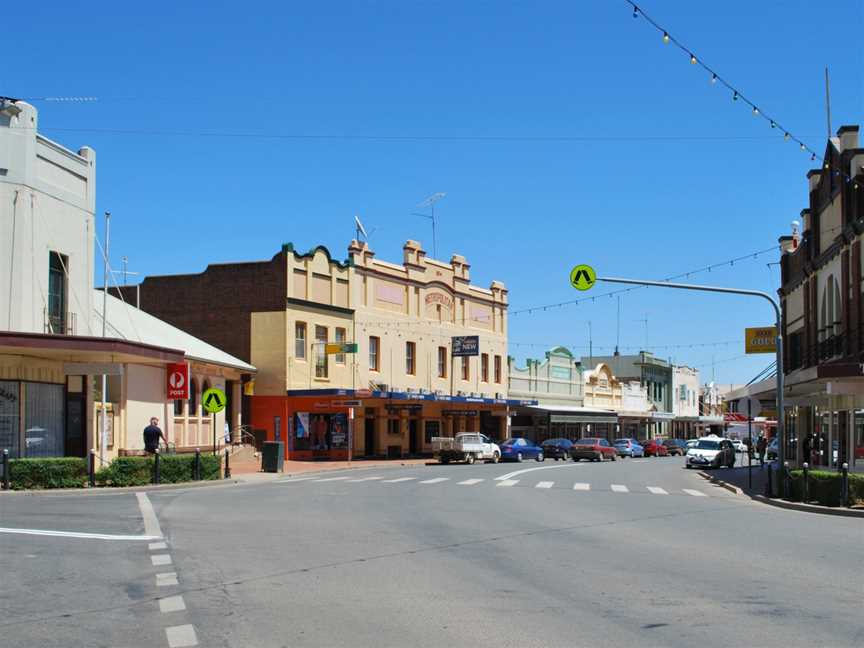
[{"x": 672, "y": 174}]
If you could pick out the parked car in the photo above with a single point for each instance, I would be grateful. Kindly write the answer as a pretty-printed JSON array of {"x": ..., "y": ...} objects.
[
  {"x": 675, "y": 447},
  {"x": 557, "y": 448},
  {"x": 692, "y": 443},
  {"x": 739, "y": 445},
  {"x": 773, "y": 449},
  {"x": 655, "y": 448},
  {"x": 519, "y": 449},
  {"x": 628, "y": 448},
  {"x": 467, "y": 447},
  {"x": 711, "y": 452},
  {"x": 593, "y": 449}
]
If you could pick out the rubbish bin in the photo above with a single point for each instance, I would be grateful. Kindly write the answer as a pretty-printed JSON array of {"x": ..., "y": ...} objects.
[{"x": 272, "y": 455}]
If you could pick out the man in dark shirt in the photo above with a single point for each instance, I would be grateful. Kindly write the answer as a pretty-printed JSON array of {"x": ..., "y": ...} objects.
[{"x": 152, "y": 435}]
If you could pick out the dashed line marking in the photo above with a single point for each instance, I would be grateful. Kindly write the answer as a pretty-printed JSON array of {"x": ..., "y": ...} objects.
[
  {"x": 437, "y": 480},
  {"x": 156, "y": 546},
  {"x": 151, "y": 522},
  {"x": 508, "y": 482},
  {"x": 581, "y": 486},
  {"x": 329, "y": 479},
  {"x": 294, "y": 479},
  {"x": 365, "y": 479},
  {"x": 166, "y": 579},
  {"x": 694, "y": 493},
  {"x": 470, "y": 482},
  {"x": 79, "y": 535},
  {"x": 657, "y": 490},
  {"x": 181, "y": 636},
  {"x": 619, "y": 488},
  {"x": 545, "y": 484},
  {"x": 396, "y": 481},
  {"x": 160, "y": 559},
  {"x": 172, "y": 604}
]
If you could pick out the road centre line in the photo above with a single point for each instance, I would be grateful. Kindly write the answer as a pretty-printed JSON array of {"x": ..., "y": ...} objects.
[
  {"x": 396, "y": 481},
  {"x": 294, "y": 479},
  {"x": 329, "y": 479},
  {"x": 80, "y": 535},
  {"x": 527, "y": 470},
  {"x": 364, "y": 479},
  {"x": 436, "y": 480},
  {"x": 151, "y": 522}
]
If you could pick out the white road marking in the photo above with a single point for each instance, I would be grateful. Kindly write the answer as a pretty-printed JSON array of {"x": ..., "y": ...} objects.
[
  {"x": 160, "y": 559},
  {"x": 151, "y": 522},
  {"x": 657, "y": 490},
  {"x": 181, "y": 636},
  {"x": 331, "y": 479},
  {"x": 155, "y": 546},
  {"x": 581, "y": 486},
  {"x": 694, "y": 493},
  {"x": 166, "y": 579},
  {"x": 365, "y": 479},
  {"x": 470, "y": 482},
  {"x": 508, "y": 482},
  {"x": 396, "y": 481},
  {"x": 527, "y": 470},
  {"x": 619, "y": 488},
  {"x": 294, "y": 479},
  {"x": 77, "y": 534},
  {"x": 172, "y": 604},
  {"x": 436, "y": 480},
  {"x": 544, "y": 484}
]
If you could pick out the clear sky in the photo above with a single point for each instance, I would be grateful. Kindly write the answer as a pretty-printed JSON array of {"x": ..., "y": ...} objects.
[{"x": 602, "y": 144}]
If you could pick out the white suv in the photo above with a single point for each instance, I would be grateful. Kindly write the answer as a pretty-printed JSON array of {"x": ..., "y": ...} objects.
[{"x": 711, "y": 452}]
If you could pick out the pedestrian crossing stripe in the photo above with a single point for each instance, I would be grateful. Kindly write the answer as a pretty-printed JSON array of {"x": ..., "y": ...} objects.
[
  {"x": 436, "y": 480},
  {"x": 396, "y": 481},
  {"x": 470, "y": 482},
  {"x": 619, "y": 488},
  {"x": 508, "y": 482},
  {"x": 545, "y": 484},
  {"x": 694, "y": 493},
  {"x": 656, "y": 490},
  {"x": 581, "y": 486}
]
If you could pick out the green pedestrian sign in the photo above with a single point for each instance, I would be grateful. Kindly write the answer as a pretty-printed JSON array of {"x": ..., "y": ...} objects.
[
  {"x": 214, "y": 400},
  {"x": 583, "y": 277}
]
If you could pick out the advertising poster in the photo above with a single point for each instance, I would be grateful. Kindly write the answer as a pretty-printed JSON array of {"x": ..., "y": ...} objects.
[
  {"x": 302, "y": 425},
  {"x": 339, "y": 431}
]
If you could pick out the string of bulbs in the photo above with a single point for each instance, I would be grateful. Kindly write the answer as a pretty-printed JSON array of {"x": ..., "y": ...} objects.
[
  {"x": 737, "y": 95},
  {"x": 612, "y": 293}
]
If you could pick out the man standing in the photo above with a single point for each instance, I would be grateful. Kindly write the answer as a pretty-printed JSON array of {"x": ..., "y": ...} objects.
[
  {"x": 761, "y": 446},
  {"x": 152, "y": 435}
]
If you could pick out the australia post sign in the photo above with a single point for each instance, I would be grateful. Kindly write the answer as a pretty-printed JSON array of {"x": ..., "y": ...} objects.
[{"x": 178, "y": 381}]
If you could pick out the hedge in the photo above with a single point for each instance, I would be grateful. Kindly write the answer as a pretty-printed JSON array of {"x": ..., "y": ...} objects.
[
  {"x": 824, "y": 487},
  {"x": 53, "y": 472},
  {"x": 138, "y": 471}
]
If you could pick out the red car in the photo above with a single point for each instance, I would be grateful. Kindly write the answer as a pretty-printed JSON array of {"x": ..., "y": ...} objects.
[
  {"x": 595, "y": 449},
  {"x": 655, "y": 448}
]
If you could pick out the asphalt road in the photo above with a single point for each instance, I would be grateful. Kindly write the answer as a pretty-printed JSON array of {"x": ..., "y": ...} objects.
[{"x": 630, "y": 553}]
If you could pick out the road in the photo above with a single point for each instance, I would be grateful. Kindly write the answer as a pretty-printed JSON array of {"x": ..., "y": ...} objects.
[{"x": 630, "y": 553}]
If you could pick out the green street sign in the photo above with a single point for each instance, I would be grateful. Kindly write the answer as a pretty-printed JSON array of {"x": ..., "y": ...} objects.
[
  {"x": 214, "y": 400},
  {"x": 583, "y": 277},
  {"x": 339, "y": 347}
]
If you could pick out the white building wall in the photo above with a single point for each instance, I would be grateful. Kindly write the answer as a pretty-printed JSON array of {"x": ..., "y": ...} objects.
[
  {"x": 685, "y": 391},
  {"x": 47, "y": 203}
]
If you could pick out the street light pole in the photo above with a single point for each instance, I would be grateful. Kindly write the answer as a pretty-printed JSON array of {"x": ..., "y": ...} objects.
[{"x": 781, "y": 428}]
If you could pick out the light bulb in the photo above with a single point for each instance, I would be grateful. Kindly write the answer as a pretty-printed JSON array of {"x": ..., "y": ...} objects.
[
  {"x": 713, "y": 78},
  {"x": 666, "y": 38},
  {"x": 635, "y": 11},
  {"x": 786, "y": 136},
  {"x": 755, "y": 110},
  {"x": 692, "y": 60},
  {"x": 735, "y": 96},
  {"x": 803, "y": 147},
  {"x": 773, "y": 125}
]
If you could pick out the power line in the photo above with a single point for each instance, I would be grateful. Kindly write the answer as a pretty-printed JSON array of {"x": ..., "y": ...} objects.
[{"x": 737, "y": 95}]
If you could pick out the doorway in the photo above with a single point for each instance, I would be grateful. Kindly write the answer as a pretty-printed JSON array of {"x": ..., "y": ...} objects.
[
  {"x": 413, "y": 437},
  {"x": 76, "y": 424},
  {"x": 369, "y": 436}
]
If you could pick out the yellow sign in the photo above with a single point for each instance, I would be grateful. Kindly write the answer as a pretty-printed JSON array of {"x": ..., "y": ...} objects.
[
  {"x": 583, "y": 277},
  {"x": 249, "y": 388},
  {"x": 213, "y": 400},
  {"x": 760, "y": 340},
  {"x": 333, "y": 348}
]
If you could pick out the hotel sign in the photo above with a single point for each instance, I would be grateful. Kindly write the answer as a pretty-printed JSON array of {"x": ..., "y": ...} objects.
[
  {"x": 466, "y": 345},
  {"x": 760, "y": 340}
]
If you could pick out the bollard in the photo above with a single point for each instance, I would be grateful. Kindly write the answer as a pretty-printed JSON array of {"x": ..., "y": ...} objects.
[
  {"x": 227, "y": 466},
  {"x": 805, "y": 492},
  {"x": 786, "y": 491},
  {"x": 844, "y": 485},
  {"x": 769, "y": 488},
  {"x": 6, "y": 478},
  {"x": 156, "y": 476},
  {"x": 196, "y": 467},
  {"x": 91, "y": 468}
]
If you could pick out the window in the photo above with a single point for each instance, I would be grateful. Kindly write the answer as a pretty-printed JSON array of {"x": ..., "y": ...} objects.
[
  {"x": 320, "y": 351},
  {"x": 498, "y": 369},
  {"x": 374, "y": 353},
  {"x": 410, "y": 358},
  {"x": 432, "y": 430},
  {"x": 340, "y": 339},
  {"x": 193, "y": 398},
  {"x": 484, "y": 367},
  {"x": 56, "y": 323},
  {"x": 394, "y": 427},
  {"x": 44, "y": 424},
  {"x": 300, "y": 340},
  {"x": 178, "y": 407},
  {"x": 204, "y": 388},
  {"x": 10, "y": 417},
  {"x": 442, "y": 362},
  {"x": 466, "y": 371}
]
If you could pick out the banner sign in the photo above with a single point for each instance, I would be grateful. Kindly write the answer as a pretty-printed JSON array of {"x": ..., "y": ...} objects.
[
  {"x": 466, "y": 345},
  {"x": 760, "y": 340},
  {"x": 178, "y": 381}
]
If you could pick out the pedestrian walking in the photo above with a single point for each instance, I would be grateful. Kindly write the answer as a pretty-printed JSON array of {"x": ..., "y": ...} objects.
[
  {"x": 749, "y": 443},
  {"x": 761, "y": 446},
  {"x": 152, "y": 436}
]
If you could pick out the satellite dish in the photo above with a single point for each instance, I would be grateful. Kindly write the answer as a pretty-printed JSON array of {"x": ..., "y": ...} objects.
[{"x": 360, "y": 228}]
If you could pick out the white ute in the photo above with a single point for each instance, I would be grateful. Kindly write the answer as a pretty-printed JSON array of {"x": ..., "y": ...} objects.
[{"x": 467, "y": 447}]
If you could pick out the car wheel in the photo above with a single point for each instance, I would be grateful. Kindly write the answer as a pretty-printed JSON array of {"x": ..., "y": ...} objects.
[
  {"x": 469, "y": 459},
  {"x": 496, "y": 457},
  {"x": 540, "y": 457},
  {"x": 614, "y": 457},
  {"x": 518, "y": 457}
]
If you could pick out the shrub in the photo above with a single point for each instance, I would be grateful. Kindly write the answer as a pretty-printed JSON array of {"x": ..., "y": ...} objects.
[
  {"x": 53, "y": 472},
  {"x": 138, "y": 471},
  {"x": 825, "y": 487}
]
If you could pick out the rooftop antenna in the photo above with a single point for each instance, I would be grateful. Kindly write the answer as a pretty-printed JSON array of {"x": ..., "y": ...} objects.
[
  {"x": 430, "y": 202},
  {"x": 360, "y": 230},
  {"x": 126, "y": 272}
]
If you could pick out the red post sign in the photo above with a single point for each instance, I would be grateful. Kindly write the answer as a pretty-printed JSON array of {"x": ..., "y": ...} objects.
[{"x": 178, "y": 381}]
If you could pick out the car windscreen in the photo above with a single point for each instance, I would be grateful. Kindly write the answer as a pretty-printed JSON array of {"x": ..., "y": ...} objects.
[
  {"x": 621, "y": 441},
  {"x": 708, "y": 445}
]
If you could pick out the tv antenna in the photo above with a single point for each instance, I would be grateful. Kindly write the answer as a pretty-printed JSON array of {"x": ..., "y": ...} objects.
[
  {"x": 360, "y": 230},
  {"x": 430, "y": 203}
]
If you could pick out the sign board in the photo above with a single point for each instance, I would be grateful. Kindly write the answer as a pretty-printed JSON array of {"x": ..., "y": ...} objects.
[
  {"x": 249, "y": 388},
  {"x": 466, "y": 345},
  {"x": 340, "y": 347},
  {"x": 755, "y": 406},
  {"x": 583, "y": 277},
  {"x": 178, "y": 381},
  {"x": 348, "y": 403},
  {"x": 214, "y": 400},
  {"x": 760, "y": 340}
]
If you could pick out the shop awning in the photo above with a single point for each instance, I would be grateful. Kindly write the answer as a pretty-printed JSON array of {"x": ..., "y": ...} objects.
[{"x": 575, "y": 414}]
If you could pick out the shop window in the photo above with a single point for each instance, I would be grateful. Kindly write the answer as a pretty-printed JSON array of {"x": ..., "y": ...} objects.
[
  {"x": 178, "y": 407},
  {"x": 193, "y": 398},
  {"x": 57, "y": 263},
  {"x": 466, "y": 371},
  {"x": 442, "y": 362},
  {"x": 484, "y": 367},
  {"x": 393, "y": 427},
  {"x": 498, "y": 369},
  {"x": 10, "y": 417},
  {"x": 339, "y": 358},
  {"x": 300, "y": 340},
  {"x": 410, "y": 358},
  {"x": 374, "y": 353},
  {"x": 320, "y": 351},
  {"x": 44, "y": 425},
  {"x": 204, "y": 388},
  {"x": 432, "y": 429},
  {"x": 313, "y": 431}
]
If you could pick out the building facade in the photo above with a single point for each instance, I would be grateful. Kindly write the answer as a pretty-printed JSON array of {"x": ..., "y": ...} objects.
[{"x": 685, "y": 403}]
